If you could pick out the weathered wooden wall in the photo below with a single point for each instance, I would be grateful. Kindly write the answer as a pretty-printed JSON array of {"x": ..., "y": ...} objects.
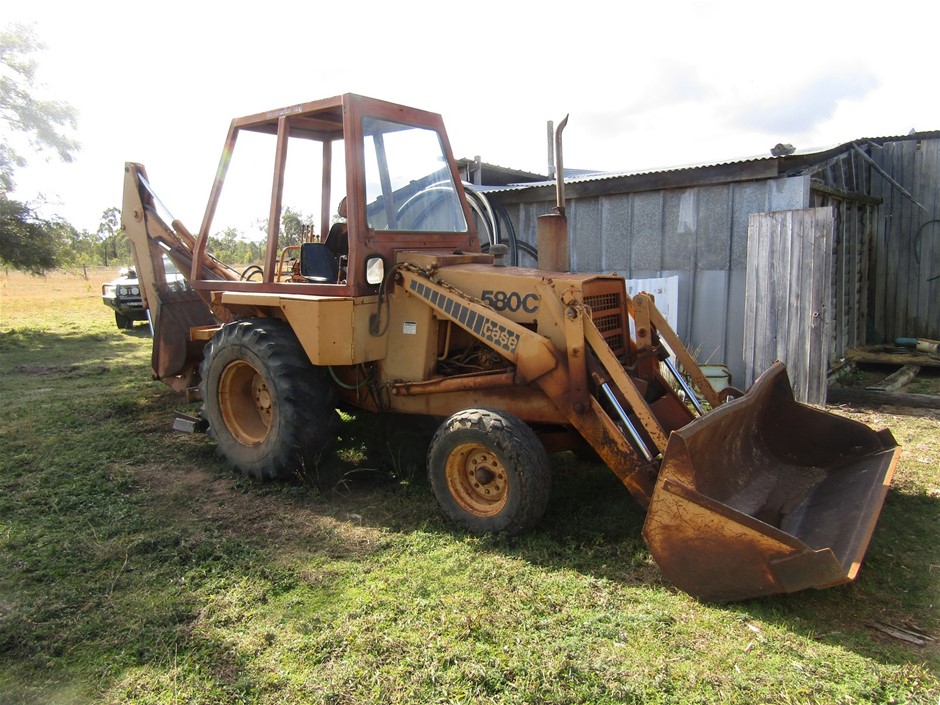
[
  {"x": 788, "y": 308},
  {"x": 850, "y": 280},
  {"x": 905, "y": 292}
]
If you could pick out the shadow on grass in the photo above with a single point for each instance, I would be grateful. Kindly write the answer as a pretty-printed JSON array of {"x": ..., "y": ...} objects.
[{"x": 593, "y": 526}]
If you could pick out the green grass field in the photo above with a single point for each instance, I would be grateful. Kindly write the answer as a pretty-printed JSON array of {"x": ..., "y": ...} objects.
[{"x": 136, "y": 568}]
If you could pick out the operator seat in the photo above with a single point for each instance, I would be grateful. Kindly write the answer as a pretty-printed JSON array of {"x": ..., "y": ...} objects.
[
  {"x": 318, "y": 264},
  {"x": 338, "y": 239}
]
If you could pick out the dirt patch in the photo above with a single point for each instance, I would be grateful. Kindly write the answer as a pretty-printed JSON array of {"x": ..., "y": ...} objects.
[
  {"x": 43, "y": 370},
  {"x": 290, "y": 523}
]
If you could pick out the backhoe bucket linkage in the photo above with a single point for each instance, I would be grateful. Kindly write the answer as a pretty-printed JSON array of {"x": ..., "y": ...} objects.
[{"x": 764, "y": 495}]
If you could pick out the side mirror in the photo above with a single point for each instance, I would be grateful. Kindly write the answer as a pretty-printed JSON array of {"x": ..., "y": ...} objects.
[{"x": 375, "y": 270}]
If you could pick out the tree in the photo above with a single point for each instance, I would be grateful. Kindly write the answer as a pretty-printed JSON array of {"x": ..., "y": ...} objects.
[
  {"x": 28, "y": 241},
  {"x": 80, "y": 250},
  {"x": 232, "y": 247},
  {"x": 114, "y": 245},
  {"x": 295, "y": 227},
  {"x": 41, "y": 121}
]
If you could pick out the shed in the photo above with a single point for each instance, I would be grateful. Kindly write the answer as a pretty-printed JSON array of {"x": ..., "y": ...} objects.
[{"x": 873, "y": 250}]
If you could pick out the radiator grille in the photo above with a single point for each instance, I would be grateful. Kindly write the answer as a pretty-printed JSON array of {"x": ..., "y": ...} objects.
[
  {"x": 605, "y": 324},
  {"x": 601, "y": 302},
  {"x": 605, "y": 298},
  {"x": 615, "y": 343}
]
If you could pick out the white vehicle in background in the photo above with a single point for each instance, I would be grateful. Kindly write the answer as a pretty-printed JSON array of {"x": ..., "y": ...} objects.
[{"x": 124, "y": 297}]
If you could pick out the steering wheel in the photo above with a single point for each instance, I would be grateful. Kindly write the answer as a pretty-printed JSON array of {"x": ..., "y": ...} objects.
[{"x": 422, "y": 205}]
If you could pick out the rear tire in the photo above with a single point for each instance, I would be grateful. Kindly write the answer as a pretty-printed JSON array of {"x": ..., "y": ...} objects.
[
  {"x": 270, "y": 411},
  {"x": 489, "y": 472}
]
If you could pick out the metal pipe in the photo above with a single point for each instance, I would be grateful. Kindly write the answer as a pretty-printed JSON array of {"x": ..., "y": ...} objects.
[
  {"x": 468, "y": 383},
  {"x": 630, "y": 427},
  {"x": 685, "y": 387},
  {"x": 551, "y": 149},
  {"x": 560, "y": 168}
]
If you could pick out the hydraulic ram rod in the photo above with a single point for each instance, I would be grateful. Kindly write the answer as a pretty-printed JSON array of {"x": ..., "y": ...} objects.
[
  {"x": 685, "y": 387},
  {"x": 630, "y": 427}
]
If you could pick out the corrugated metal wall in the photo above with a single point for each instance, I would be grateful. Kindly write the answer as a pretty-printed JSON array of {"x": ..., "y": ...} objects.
[
  {"x": 905, "y": 271},
  {"x": 698, "y": 234}
]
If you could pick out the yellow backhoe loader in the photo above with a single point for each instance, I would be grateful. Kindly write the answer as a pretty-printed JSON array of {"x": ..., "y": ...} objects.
[{"x": 401, "y": 308}]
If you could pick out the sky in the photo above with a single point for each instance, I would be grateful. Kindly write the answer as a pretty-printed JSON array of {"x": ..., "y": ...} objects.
[{"x": 646, "y": 84}]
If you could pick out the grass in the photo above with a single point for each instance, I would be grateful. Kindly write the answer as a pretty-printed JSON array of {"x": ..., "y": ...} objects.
[{"x": 135, "y": 567}]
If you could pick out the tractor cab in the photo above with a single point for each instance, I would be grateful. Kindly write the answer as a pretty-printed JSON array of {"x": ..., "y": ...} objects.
[{"x": 379, "y": 178}]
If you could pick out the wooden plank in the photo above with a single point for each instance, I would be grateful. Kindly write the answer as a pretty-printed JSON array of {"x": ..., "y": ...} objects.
[
  {"x": 766, "y": 324},
  {"x": 878, "y": 256},
  {"x": 821, "y": 187},
  {"x": 907, "y": 292},
  {"x": 863, "y": 213},
  {"x": 752, "y": 296},
  {"x": 912, "y": 216},
  {"x": 895, "y": 381},
  {"x": 796, "y": 272},
  {"x": 869, "y": 228},
  {"x": 865, "y": 397},
  {"x": 889, "y": 355},
  {"x": 901, "y": 634},
  {"x": 820, "y": 224},
  {"x": 787, "y": 294},
  {"x": 893, "y": 252},
  {"x": 841, "y": 253},
  {"x": 855, "y": 275},
  {"x": 929, "y": 245}
]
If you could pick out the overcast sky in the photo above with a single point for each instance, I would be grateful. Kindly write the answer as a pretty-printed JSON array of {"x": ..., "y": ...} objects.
[{"x": 646, "y": 84}]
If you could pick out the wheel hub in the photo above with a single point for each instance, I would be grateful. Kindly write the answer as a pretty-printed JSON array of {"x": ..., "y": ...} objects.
[
  {"x": 245, "y": 402},
  {"x": 477, "y": 480}
]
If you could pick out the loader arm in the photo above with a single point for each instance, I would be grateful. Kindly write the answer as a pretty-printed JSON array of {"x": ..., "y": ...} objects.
[{"x": 173, "y": 308}]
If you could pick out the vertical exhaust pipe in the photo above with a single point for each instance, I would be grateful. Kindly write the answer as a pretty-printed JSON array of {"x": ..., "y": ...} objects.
[
  {"x": 550, "y": 140},
  {"x": 553, "y": 227}
]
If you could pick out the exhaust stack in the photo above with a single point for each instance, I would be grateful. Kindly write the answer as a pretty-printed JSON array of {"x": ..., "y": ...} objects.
[{"x": 553, "y": 227}]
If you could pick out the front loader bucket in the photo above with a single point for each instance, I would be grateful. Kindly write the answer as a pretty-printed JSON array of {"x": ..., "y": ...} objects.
[{"x": 765, "y": 495}]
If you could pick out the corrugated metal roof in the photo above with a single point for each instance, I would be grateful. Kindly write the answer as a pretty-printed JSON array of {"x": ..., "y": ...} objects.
[
  {"x": 584, "y": 176},
  {"x": 806, "y": 156}
]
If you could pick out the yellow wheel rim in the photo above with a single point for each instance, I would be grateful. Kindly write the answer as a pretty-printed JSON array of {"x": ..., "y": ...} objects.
[
  {"x": 245, "y": 403},
  {"x": 477, "y": 480}
]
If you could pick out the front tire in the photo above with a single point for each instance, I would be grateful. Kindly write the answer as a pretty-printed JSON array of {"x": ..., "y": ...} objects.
[
  {"x": 122, "y": 321},
  {"x": 270, "y": 411},
  {"x": 489, "y": 472}
]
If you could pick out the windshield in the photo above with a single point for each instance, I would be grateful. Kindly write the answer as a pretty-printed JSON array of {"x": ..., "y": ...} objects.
[{"x": 408, "y": 182}]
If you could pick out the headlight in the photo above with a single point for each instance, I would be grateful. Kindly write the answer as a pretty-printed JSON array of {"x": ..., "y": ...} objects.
[
  {"x": 135, "y": 290},
  {"x": 108, "y": 291},
  {"x": 122, "y": 291}
]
